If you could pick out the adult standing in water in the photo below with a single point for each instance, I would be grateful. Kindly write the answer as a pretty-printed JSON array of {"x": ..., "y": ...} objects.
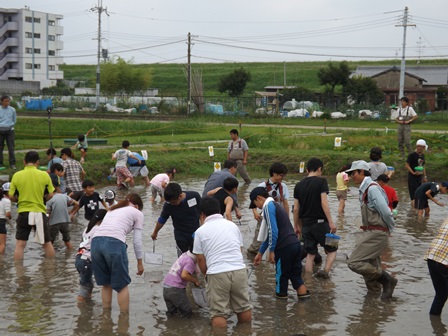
[
  {"x": 8, "y": 119},
  {"x": 109, "y": 250},
  {"x": 377, "y": 224},
  {"x": 238, "y": 151},
  {"x": 415, "y": 165}
]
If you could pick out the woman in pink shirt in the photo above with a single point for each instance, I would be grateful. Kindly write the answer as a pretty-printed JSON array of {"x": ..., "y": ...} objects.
[{"x": 109, "y": 250}]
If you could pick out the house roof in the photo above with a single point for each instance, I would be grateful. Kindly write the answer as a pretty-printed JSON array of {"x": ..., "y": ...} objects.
[{"x": 432, "y": 75}]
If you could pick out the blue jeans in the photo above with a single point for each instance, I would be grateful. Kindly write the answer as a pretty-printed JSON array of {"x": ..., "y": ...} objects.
[
  {"x": 7, "y": 136},
  {"x": 439, "y": 277},
  {"x": 84, "y": 268},
  {"x": 110, "y": 262}
]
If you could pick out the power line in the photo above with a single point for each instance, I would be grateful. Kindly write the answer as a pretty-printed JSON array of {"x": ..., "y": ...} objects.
[{"x": 302, "y": 53}]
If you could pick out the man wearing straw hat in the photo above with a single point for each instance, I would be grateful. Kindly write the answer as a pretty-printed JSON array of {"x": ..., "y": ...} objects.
[{"x": 377, "y": 223}]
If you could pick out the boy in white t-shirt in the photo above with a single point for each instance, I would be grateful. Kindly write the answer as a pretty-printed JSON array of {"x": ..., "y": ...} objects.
[{"x": 124, "y": 176}]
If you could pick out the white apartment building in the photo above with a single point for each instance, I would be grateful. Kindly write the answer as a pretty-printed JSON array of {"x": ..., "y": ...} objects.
[{"x": 30, "y": 46}]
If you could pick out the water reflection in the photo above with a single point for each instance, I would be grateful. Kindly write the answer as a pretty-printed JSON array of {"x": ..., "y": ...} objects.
[{"x": 39, "y": 295}]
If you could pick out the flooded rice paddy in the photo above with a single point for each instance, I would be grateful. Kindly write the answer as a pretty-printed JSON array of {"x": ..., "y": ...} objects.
[{"x": 38, "y": 296}]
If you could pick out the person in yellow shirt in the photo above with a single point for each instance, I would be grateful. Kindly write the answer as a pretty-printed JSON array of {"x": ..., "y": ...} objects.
[
  {"x": 342, "y": 187},
  {"x": 28, "y": 188}
]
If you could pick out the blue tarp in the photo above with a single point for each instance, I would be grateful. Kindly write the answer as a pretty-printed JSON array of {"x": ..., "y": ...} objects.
[
  {"x": 38, "y": 104},
  {"x": 215, "y": 109}
]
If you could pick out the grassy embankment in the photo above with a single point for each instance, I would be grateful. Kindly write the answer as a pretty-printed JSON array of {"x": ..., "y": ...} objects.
[
  {"x": 170, "y": 78},
  {"x": 167, "y": 145}
]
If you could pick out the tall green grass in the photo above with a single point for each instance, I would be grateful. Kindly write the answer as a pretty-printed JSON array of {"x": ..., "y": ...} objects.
[{"x": 170, "y": 78}]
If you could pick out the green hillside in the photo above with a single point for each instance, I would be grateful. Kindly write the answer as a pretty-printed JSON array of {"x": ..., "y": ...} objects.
[{"x": 170, "y": 78}]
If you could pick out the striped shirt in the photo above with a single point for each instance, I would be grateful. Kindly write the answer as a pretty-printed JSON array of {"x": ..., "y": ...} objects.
[{"x": 438, "y": 250}]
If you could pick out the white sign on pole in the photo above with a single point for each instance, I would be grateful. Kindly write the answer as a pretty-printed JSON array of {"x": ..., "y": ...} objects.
[
  {"x": 302, "y": 167},
  {"x": 210, "y": 151},
  {"x": 337, "y": 141},
  {"x": 217, "y": 166}
]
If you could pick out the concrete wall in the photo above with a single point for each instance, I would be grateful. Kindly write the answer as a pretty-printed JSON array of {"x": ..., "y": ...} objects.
[{"x": 12, "y": 87}]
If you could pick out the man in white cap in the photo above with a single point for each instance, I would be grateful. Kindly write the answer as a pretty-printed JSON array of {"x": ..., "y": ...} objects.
[
  {"x": 415, "y": 165},
  {"x": 378, "y": 223}
]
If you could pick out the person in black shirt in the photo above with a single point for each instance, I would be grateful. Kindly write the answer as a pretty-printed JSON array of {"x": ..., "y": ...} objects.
[
  {"x": 90, "y": 200},
  {"x": 415, "y": 165},
  {"x": 225, "y": 197},
  {"x": 183, "y": 208},
  {"x": 312, "y": 217},
  {"x": 428, "y": 191}
]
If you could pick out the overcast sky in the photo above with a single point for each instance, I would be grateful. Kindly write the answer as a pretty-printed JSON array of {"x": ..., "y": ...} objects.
[{"x": 249, "y": 30}]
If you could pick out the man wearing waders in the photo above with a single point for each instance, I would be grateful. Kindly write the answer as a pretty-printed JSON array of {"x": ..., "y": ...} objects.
[{"x": 377, "y": 223}]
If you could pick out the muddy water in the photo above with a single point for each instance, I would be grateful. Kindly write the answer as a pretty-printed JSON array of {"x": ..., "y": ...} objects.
[{"x": 38, "y": 295}]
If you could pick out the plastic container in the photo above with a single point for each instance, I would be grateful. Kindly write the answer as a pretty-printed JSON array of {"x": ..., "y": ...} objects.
[
  {"x": 332, "y": 240},
  {"x": 418, "y": 169},
  {"x": 390, "y": 168},
  {"x": 395, "y": 212}
]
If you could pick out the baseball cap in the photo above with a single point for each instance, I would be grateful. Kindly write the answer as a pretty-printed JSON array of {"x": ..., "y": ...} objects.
[
  {"x": 445, "y": 184},
  {"x": 393, "y": 106},
  {"x": 253, "y": 195},
  {"x": 383, "y": 178},
  {"x": 360, "y": 164},
  {"x": 109, "y": 194},
  {"x": 6, "y": 186}
]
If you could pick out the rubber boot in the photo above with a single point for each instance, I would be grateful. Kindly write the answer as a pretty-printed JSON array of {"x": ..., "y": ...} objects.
[{"x": 388, "y": 282}]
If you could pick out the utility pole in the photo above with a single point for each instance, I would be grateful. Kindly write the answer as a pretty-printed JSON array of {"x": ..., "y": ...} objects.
[
  {"x": 189, "y": 75},
  {"x": 284, "y": 74},
  {"x": 98, "y": 9},
  {"x": 403, "y": 57}
]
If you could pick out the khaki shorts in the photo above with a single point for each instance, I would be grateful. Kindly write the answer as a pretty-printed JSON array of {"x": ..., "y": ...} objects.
[
  {"x": 228, "y": 288},
  {"x": 341, "y": 194}
]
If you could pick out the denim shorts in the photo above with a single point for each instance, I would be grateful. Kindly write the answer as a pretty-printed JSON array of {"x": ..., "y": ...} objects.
[
  {"x": 84, "y": 267},
  {"x": 110, "y": 262}
]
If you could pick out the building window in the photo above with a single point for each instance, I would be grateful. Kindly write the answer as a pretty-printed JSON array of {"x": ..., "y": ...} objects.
[
  {"x": 37, "y": 35},
  {"x": 30, "y": 19},
  {"x": 28, "y": 50},
  {"x": 51, "y": 53},
  {"x": 52, "y": 67},
  {"x": 51, "y": 23},
  {"x": 36, "y": 66},
  {"x": 37, "y": 51},
  {"x": 51, "y": 38},
  {"x": 28, "y": 66},
  {"x": 28, "y": 35}
]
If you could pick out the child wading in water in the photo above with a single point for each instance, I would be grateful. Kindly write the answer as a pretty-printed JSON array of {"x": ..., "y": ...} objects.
[
  {"x": 175, "y": 282},
  {"x": 5, "y": 214},
  {"x": 82, "y": 144},
  {"x": 124, "y": 176},
  {"x": 83, "y": 260}
]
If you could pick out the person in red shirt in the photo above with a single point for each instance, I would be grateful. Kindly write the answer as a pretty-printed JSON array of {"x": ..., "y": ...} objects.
[{"x": 392, "y": 197}]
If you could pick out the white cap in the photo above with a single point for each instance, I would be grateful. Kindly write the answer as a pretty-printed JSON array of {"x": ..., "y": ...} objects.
[
  {"x": 422, "y": 142},
  {"x": 360, "y": 164},
  {"x": 6, "y": 186}
]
